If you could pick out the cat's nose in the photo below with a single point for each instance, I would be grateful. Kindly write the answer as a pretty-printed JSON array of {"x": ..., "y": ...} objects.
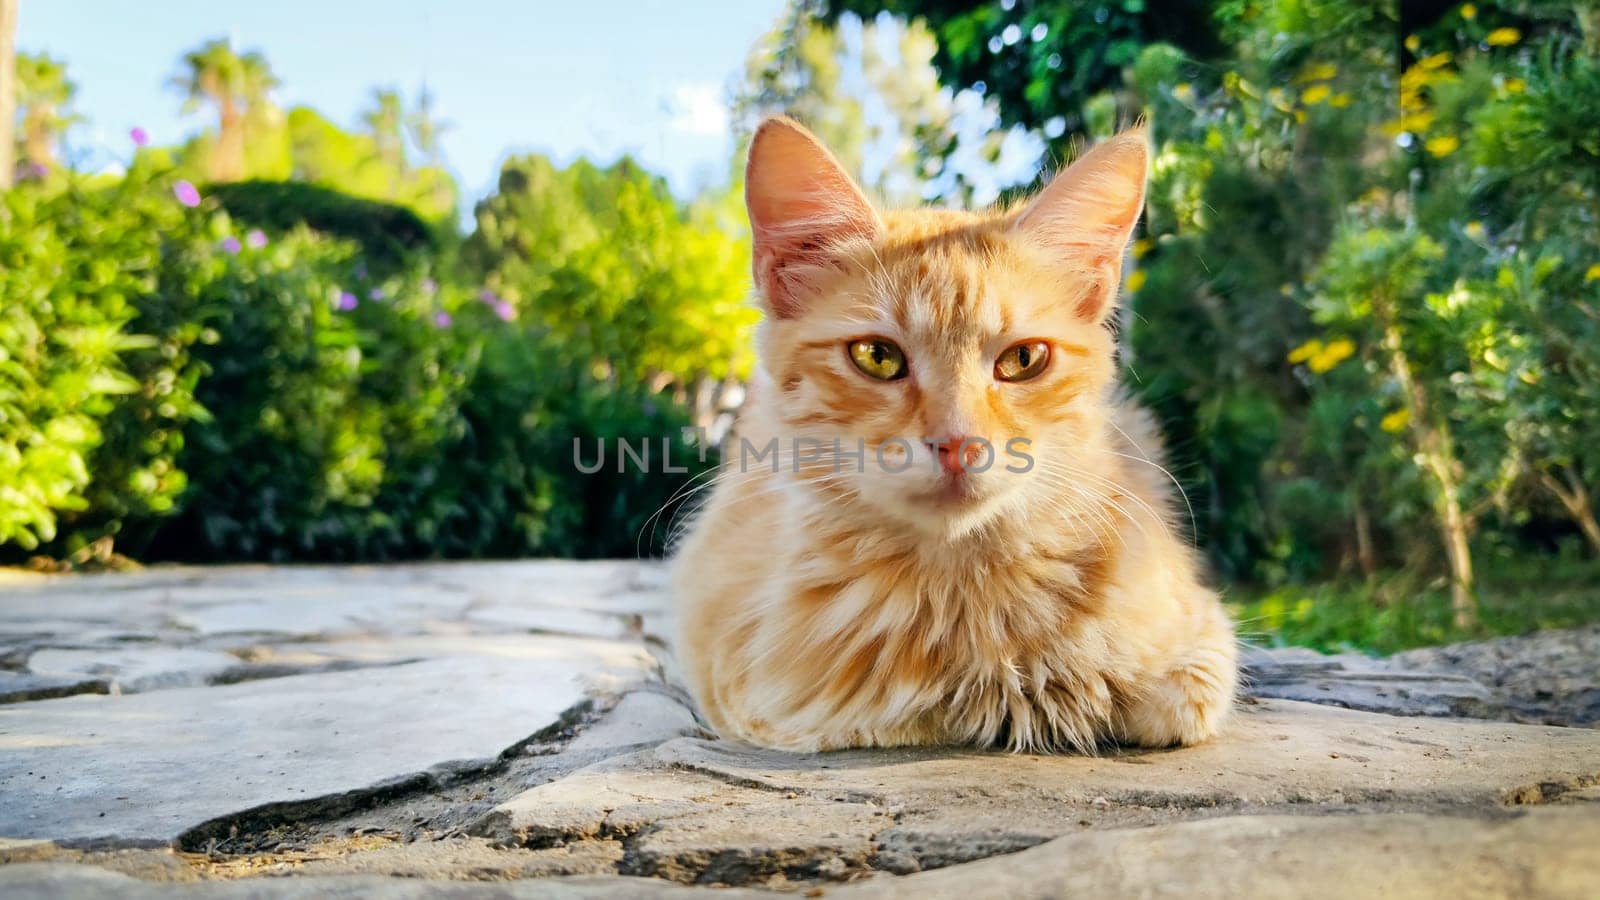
[{"x": 960, "y": 454}]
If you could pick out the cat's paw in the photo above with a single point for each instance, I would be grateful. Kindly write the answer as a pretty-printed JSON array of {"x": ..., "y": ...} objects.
[{"x": 1184, "y": 707}]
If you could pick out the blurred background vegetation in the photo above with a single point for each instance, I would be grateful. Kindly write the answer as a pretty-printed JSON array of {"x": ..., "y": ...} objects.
[{"x": 1365, "y": 301}]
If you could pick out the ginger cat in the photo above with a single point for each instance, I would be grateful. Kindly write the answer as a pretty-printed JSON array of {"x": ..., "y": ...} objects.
[{"x": 871, "y": 581}]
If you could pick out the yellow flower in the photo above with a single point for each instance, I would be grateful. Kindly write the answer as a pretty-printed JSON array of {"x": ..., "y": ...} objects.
[
  {"x": 1436, "y": 61},
  {"x": 1469, "y": 11},
  {"x": 1331, "y": 355},
  {"x": 1305, "y": 351},
  {"x": 1318, "y": 72},
  {"x": 1339, "y": 100},
  {"x": 1396, "y": 420},
  {"x": 1136, "y": 280},
  {"x": 1141, "y": 247},
  {"x": 1315, "y": 94},
  {"x": 1515, "y": 85},
  {"x": 1592, "y": 274},
  {"x": 1444, "y": 145},
  {"x": 1413, "y": 42},
  {"x": 1474, "y": 229},
  {"x": 1183, "y": 92},
  {"x": 1502, "y": 37},
  {"x": 1412, "y": 122}
]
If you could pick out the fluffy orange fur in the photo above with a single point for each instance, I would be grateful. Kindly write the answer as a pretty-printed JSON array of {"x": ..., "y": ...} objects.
[{"x": 832, "y": 604}]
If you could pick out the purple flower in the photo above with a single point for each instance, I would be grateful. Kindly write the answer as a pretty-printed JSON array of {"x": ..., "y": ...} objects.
[
  {"x": 141, "y": 138},
  {"x": 38, "y": 169},
  {"x": 441, "y": 320},
  {"x": 187, "y": 194},
  {"x": 230, "y": 244},
  {"x": 488, "y": 296},
  {"x": 504, "y": 310},
  {"x": 429, "y": 285},
  {"x": 376, "y": 294},
  {"x": 346, "y": 302},
  {"x": 255, "y": 239}
]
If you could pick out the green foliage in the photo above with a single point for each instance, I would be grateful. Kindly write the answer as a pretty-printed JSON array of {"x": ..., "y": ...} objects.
[
  {"x": 1402, "y": 610},
  {"x": 93, "y": 397},
  {"x": 194, "y": 388},
  {"x": 388, "y": 234},
  {"x": 1366, "y": 330},
  {"x": 528, "y": 418},
  {"x": 44, "y": 97},
  {"x": 317, "y": 409},
  {"x": 625, "y": 282},
  {"x": 1046, "y": 61},
  {"x": 372, "y": 165}
]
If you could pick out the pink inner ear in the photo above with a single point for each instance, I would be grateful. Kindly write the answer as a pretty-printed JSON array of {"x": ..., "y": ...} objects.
[{"x": 802, "y": 205}]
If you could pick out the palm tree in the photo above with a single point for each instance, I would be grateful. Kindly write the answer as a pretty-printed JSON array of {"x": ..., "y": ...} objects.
[
  {"x": 8, "y": 90},
  {"x": 237, "y": 85},
  {"x": 425, "y": 128},
  {"x": 386, "y": 122},
  {"x": 43, "y": 93}
]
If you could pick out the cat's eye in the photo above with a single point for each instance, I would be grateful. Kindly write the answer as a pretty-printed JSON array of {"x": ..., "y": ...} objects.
[
  {"x": 1022, "y": 361},
  {"x": 878, "y": 358}
]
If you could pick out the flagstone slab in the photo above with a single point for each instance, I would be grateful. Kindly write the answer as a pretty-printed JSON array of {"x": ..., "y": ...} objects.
[{"x": 141, "y": 769}]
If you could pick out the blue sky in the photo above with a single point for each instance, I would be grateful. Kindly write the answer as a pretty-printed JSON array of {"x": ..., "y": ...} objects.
[{"x": 646, "y": 77}]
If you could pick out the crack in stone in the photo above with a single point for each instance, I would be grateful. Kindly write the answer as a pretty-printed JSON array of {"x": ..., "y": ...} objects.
[
  {"x": 263, "y": 671},
  {"x": 216, "y": 835}
]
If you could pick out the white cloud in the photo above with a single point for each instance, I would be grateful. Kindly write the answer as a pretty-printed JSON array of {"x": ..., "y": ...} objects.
[{"x": 698, "y": 109}]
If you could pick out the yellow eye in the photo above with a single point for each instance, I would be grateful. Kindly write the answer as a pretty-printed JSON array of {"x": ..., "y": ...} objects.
[
  {"x": 878, "y": 358},
  {"x": 1022, "y": 361}
]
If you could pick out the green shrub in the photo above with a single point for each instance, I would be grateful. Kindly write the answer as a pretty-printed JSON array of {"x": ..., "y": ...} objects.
[
  {"x": 389, "y": 235},
  {"x": 512, "y": 471},
  {"x": 93, "y": 393},
  {"x": 324, "y": 388},
  {"x": 183, "y": 383}
]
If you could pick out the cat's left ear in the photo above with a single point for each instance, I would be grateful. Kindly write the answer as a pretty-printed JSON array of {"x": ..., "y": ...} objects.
[
  {"x": 1085, "y": 216},
  {"x": 803, "y": 207}
]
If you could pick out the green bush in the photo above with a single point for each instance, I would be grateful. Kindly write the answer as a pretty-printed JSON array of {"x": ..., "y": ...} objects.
[
  {"x": 324, "y": 388},
  {"x": 512, "y": 469},
  {"x": 93, "y": 395},
  {"x": 193, "y": 388},
  {"x": 389, "y": 235}
]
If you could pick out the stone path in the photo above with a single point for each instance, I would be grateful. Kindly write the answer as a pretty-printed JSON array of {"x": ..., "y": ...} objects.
[{"x": 508, "y": 729}]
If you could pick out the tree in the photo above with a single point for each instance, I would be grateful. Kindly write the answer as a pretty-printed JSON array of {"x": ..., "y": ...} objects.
[
  {"x": 385, "y": 122},
  {"x": 621, "y": 278},
  {"x": 1375, "y": 283},
  {"x": 1043, "y": 62},
  {"x": 426, "y": 129},
  {"x": 238, "y": 87},
  {"x": 870, "y": 91},
  {"x": 8, "y": 91},
  {"x": 43, "y": 94},
  {"x": 359, "y": 163}
]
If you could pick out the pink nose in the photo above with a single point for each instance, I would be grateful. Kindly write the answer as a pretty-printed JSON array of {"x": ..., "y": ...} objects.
[{"x": 959, "y": 454}]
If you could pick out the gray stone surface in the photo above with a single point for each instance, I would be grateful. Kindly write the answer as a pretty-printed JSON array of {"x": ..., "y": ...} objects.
[
  {"x": 403, "y": 731},
  {"x": 142, "y": 769},
  {"x": 1544, "y": 854},
  {"x": 1548, "y": 678},
  {"x": 132, "y": 669},
  {"x": 710, "y": 811}
]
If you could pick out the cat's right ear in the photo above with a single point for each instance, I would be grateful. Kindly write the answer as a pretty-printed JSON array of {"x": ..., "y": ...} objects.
[{"x": 803, "y": 206}]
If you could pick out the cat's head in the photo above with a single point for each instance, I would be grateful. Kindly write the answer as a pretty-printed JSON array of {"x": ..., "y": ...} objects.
[{"x": 967, "y": 353}]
